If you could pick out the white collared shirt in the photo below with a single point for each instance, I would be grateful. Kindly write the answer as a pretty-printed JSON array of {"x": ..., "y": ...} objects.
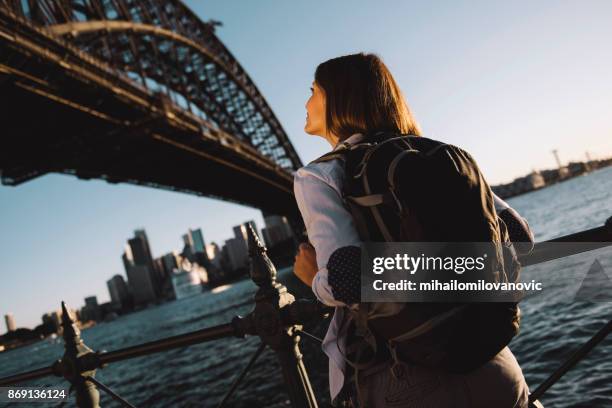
[{"x": 330, "y": 226}]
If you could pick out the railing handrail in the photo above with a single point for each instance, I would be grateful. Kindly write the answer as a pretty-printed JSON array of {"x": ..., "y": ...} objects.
[
  {"x": 578, "y": 355},
  {"x": 586, "y": 240}
]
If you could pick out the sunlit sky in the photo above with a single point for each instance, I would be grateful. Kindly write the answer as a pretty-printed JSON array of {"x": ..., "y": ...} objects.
[{"x": 508, "y": 81}]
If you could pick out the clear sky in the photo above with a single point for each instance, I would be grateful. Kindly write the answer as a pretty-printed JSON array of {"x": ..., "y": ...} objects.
[{"x": 508, "y": 81}]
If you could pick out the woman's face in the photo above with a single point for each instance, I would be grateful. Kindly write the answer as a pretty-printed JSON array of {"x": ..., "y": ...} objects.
[{"x": 315, "y": 112}]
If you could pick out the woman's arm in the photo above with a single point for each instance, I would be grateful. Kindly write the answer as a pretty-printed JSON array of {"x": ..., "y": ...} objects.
[{"x": 330, "y": 229}]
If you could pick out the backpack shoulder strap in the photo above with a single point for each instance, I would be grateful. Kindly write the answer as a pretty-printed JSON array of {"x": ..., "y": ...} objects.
[
  {"x": 340, "y": 151},
  {"x": 329, "y": 156}
]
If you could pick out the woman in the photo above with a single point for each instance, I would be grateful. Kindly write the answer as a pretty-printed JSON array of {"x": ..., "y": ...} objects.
[{"x": 352, "y": 96}]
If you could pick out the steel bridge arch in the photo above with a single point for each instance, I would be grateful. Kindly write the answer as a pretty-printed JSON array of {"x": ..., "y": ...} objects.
[
  {"x": 208, "y": 77},
  {"x": 96, "y": 120},
  {"x": 74, "y": 29},
  {"x": 77, "y": 28}
]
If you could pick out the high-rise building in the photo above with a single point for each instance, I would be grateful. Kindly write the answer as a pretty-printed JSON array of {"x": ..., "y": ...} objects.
[
  {"x": 170, "y": 261},
  {"x": 277, "y": 230},
  {"x": 281, "y": 222},
  {"x": 272, "y": 236},
  {"x": 214, "y": 267},
  {"x": 56, "y": 316},
  {"x": 158, "y": 267},
  {"x": 166, "y": 266},
  {"x": 187, "y": 249},
  {"x": 140, "y": 249},
  {"x": 119, "y": 292},
  {"x": 91, "y": 301},
  {"x": 237, "y": 253},
  {"x": 142, "y": 285},
  {"x": 198, "y": 240},
  {"x": 240, "y": 231},
  {"x": 127, "y": 258},
  {"x": 141, "y": 233},
  {"x": 9, "y": 319},
  {"x": 236, "y": 249},
  {"x": 195, "y": 247},
  {"x": 91, "y": 310},
  {"x": 47, "y": 320},
  {"x": 187, "y": 240},
  {"x": 142, "y": 257},
  {"x": 214, "y": 254}
]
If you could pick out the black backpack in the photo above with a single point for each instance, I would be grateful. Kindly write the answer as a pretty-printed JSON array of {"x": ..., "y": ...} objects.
[{"x": 403, "y": 188}]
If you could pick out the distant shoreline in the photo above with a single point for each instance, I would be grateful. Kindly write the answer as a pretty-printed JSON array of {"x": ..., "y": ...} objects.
[{"x": 540, "y": 180}]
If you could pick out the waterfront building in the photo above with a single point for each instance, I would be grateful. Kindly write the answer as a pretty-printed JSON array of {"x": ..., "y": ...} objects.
[
  {"x": 119, "y": 292},
  {"x": 237, "y": 247},
  {"x": 276, "y": 231},
  {"x": 187, "y": 248},
  {"x": 578, "y": 168},
  {"x": 188, "y": 280},
  {"x": 215, "y": 267},
  {"x": 520, "y": 185},
  {"x": 48, "y": 321},
  {"x": 142, "y": 285},
  {"x": 159, "y": 270},
  {"x": 532, "y": 181},
  {"x": 141, "y": 251},
  {"x": 107, "y": 311},
  {"x": 237, "y": 254},
  {"x": 166, "y": 265},
  {"x": 170, "y": 262},
  {"x": 127, "y": 258},
  {"x": 537, "y": 180},
  {"x": 84, "y": 316},
  {"x": 281, "y": 222},
  {"x": 195, "y": 247},
  {"x": 91, "y": 310},
  {"x": 213, "y": 252},
  {"x": 240, "y": 231},
  {"x": 9, "y": 319},
  {"x": 91, "y": 301},
  {"x": 197, "y": 240},
  {"x": 56, "y": 316},
  {"x": 142, "y": 256}
]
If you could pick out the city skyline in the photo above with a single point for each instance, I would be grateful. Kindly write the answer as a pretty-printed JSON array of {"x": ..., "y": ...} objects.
[
  {"x": 508, "y": 82},
  {"x": 138, "y": 264}
]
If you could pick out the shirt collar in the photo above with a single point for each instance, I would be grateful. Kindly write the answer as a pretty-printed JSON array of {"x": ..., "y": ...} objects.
[{"x": 355, "y": 138}]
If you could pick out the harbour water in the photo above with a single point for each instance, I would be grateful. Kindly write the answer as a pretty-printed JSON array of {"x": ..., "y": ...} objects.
[{"x": 553, "y": 325}]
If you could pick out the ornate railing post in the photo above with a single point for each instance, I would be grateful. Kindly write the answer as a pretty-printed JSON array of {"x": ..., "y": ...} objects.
[
  {"x": 270, "y": 299},
  {"x": 71, "y": 365}
]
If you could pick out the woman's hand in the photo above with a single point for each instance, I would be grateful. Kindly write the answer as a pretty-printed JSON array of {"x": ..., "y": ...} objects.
[{"x": 305, "y": 266}]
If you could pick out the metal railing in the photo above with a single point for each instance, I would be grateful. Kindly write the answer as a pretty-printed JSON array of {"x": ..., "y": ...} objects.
[{"x": 277, "y": 319}]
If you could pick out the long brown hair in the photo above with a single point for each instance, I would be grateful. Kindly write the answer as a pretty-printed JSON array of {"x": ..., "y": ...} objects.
[{"x": 362, "y": 97}]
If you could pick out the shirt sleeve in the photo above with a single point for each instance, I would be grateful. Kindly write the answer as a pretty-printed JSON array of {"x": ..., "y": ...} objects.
[
  {"x": 328, "y": 223},
  {"x": 518, "y": 227}
]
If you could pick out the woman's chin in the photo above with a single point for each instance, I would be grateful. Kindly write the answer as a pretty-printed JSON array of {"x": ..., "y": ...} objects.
[{"x": 311, "y": 131}]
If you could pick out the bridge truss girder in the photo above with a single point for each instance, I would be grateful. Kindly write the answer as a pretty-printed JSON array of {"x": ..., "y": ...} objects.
[{"x": 67, "y": 112}]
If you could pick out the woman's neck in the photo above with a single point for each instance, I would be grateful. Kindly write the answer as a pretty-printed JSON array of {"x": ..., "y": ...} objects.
[{"x": 332, "y": 139}]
